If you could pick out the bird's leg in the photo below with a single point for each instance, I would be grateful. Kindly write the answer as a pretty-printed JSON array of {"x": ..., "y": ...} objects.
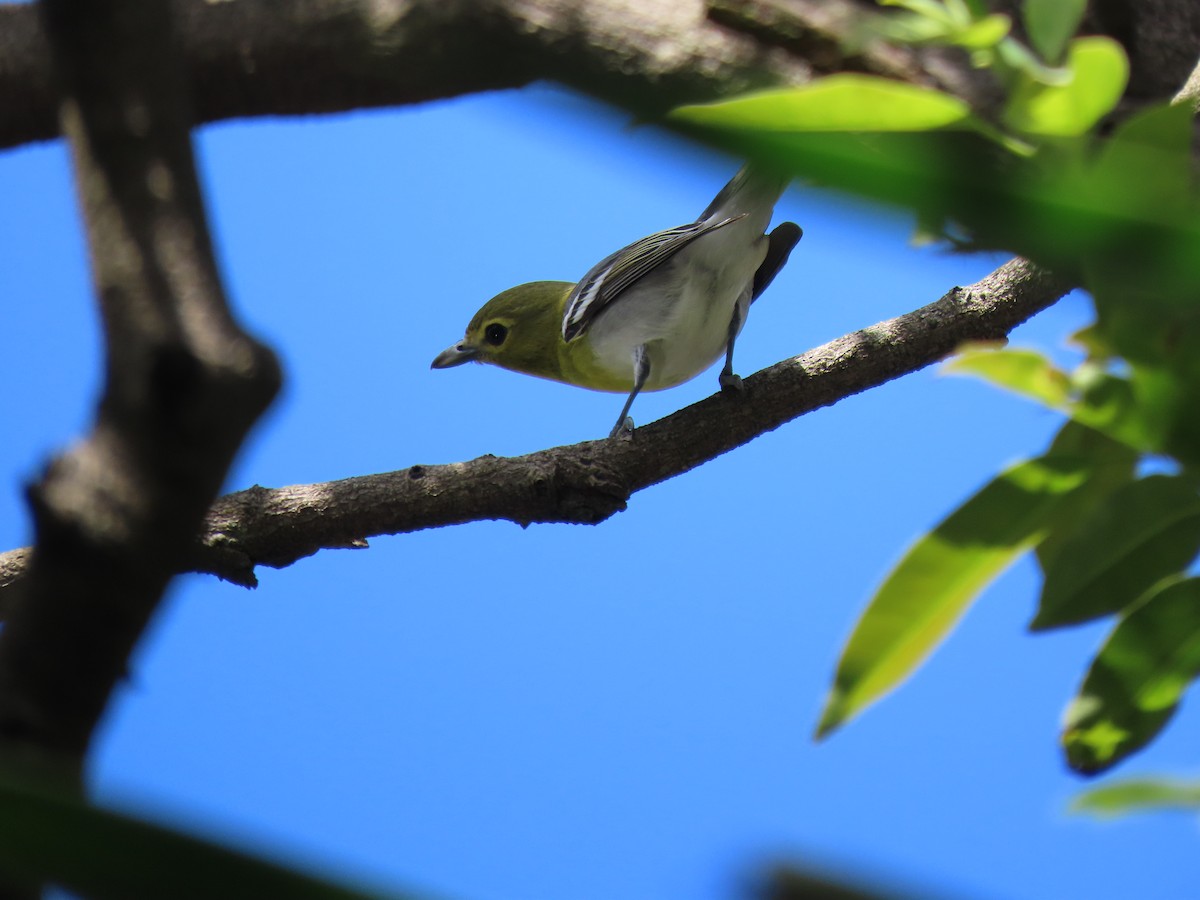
[
  {"x": 729, "y": 381},
  {"x": 641, "y": 371}
]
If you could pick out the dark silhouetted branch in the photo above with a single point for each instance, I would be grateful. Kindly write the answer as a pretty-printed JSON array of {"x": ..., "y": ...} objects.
[{"x": 115, "y": 516}]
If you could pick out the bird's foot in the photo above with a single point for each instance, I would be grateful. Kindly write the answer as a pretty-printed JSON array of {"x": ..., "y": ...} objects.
[
  {"x": 623, "y": 428},
  {"x": 731, "y": 382}
]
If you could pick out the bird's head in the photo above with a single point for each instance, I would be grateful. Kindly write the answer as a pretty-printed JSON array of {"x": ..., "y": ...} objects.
[{"x": 518, "y": 329}]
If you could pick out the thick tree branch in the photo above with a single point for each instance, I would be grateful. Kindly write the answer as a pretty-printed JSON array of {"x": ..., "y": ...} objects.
[
  {"x": 287, "y": 57},
  {"x": 586, "y": 483},
  {"x": 116, "y": 515},
  {"x": 270, "y": 57}
]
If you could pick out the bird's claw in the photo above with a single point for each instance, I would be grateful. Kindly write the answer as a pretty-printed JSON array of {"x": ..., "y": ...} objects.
[
  {"x": 731, "y": 382},
  {"x": 624, "y": 429}
]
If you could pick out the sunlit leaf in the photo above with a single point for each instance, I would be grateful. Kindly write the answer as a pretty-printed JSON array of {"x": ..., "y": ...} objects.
[
  {"x": 1090, "y": 395},
  {"x": 930, "y": 589},
  {"x": 838, "y": 103},
  {"x": 1135, "y": 682},
  {"x": 1144, "y": 533},
  {"x": 929, "y": 9},
  {"x": 1024, "y": 61},
  {"x": 1024, "y": 372},
  {"x": 960, "y": 12},
  {"x": 48, "y": 838},
  {"x": 1092, "y": 341},
  {"x": 1049, "y": 208},
  {"x": 1099, "y": 72},
  {"x": 1050, "y": 24},
  {"x": 987, "y": 32},
  {"x": 1134, "y": 795},
  {"x": 906, "y": 28}
]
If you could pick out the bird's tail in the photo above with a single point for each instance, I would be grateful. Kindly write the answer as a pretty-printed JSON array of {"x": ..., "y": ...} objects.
[{"x": 754, "y": 189}]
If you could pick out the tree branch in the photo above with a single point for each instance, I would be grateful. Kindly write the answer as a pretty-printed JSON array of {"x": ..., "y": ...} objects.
[
  {"x": 116, "y": 515},
  {"x": 271, "y": 57},
  {"x": 290, "y": 57},
  {"x": 588, "y": 482},
  {"x": 1190, "y": 92}
]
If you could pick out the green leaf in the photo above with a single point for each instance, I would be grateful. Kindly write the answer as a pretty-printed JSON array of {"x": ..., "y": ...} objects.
[
  {"x": 837, "y": 103},
  {"x": 1051, "y": 23},
  {"x": 1090, "y": 395},
  {"x": 907, "y": 27},
  {"x": 960, "y": 12},
  {"x": 1149, "y": 155},
  {"x": 1134, "y": 795},
  {"x": 987, "y": 32},
  {"x": 1111, "y": 465},
  {"x": 1133, "y": 687},
  {"x": 1025, "y": 372},
  {"x": 928, "y": 9},
  {"x": 1106, "y": 402},
  {"x": 930, "y": 227},
  {"x": 930, "y": 589},
  {"x": 1045, "y": 207},
  {"x": 1145, "y": 170},
  {"x": 1144, "y": 533},
  {"x": 1024, "y": 62},
  {"x": 1099, "y": 70},
  {"x": 1158, "y": 338},
  {"x": 49, "y": 838},
  {"x": 1156, "y": 330}
]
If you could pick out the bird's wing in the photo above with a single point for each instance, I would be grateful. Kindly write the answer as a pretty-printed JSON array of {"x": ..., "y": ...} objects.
[{"x": 615, "y": 274}]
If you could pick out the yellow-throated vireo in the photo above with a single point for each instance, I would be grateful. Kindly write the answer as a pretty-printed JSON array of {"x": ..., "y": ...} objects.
[{"x": 650, "y": 316}]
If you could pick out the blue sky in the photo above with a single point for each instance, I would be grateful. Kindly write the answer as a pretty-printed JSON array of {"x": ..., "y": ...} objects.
[{"x": 624, "y": 711}]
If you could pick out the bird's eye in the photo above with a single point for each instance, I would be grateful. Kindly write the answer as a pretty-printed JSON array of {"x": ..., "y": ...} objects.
[{"x": 495, "y": 334}]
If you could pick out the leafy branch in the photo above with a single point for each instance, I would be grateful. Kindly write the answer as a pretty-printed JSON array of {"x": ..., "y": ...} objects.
[{"x": 1120, "y": 214}]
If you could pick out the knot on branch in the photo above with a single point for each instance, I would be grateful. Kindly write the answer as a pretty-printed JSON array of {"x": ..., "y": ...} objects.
[
  {"x": 580, "y": 489},
  {"x": 226, "y": 558},
  {"x": 222, "y": 548}
]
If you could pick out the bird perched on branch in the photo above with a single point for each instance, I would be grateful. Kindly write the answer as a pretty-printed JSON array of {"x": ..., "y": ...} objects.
[{"x": 650, "y": 316}]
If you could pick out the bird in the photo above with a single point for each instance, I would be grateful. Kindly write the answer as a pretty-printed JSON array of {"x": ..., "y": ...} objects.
[{"x": 650, "y": 316}]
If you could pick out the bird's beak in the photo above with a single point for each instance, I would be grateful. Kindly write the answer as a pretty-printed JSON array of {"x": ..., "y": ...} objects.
[{"x": 455, "y": 356}]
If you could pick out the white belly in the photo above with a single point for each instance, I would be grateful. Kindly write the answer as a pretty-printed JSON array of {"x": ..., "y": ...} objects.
[{"x": 682, "y": 312}]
